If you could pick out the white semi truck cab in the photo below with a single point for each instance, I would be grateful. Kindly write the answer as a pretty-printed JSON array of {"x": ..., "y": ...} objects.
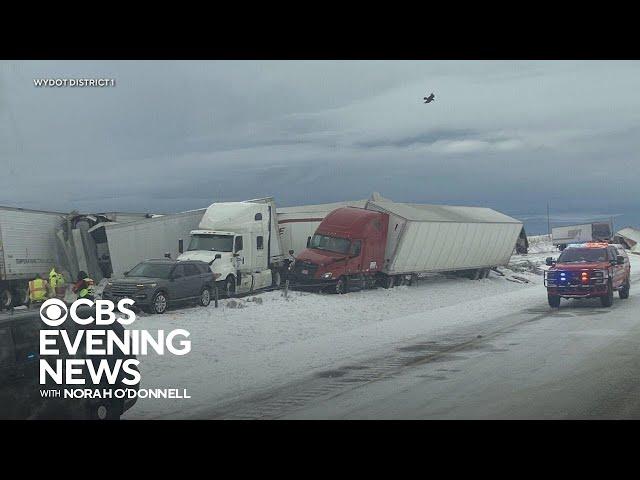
[{"x": 240, "y": 242}]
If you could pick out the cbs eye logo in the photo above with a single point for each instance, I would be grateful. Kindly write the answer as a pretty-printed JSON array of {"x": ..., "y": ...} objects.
[{"x": 53, "y": 312}]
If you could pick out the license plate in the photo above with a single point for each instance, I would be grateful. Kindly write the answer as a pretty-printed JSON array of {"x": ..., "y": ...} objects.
[{"x": 305, "y": 272}]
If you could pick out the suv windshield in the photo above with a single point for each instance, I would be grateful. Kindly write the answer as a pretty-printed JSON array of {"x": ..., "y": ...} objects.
[
  {"x": 217, "y": 243},
  {"x": 332, "y": 244},
  {"x": 151, "y": 270},
  {"x": 583, "y": 255}
]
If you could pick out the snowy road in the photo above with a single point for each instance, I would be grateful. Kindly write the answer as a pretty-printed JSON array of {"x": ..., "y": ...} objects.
[
  {"x": 582, "y": 362},
  {"x": 447, "y": 348}
]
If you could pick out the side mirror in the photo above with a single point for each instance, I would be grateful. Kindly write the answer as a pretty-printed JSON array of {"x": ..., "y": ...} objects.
[
  {"x": 236, "y": 254},
  {"x": 549, "y": 261},
  {"x": 308, "y": 241},
  {"x": 180, "y": 246},
  {"x": 290, "y": 252},
  {"x": 217, "y": 256},
  {"x": 620, "y": 260},
  {"x": 126, "y": 274},
  {"x": 167, "y": 255}
]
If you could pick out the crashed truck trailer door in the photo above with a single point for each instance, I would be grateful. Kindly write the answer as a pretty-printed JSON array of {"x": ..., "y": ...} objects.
[
  {"x": 440, "y": 238},
  {"x": 130, "y": 243}
]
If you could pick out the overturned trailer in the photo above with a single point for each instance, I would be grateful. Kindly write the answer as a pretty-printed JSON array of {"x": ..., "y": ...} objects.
[
  {"x": 122, "y": 246},
  {"x": 107, "y": 245}
]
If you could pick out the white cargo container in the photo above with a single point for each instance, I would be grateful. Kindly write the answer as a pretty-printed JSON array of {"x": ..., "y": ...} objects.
[
  {"x": 27, "y": 247},
  {"x": 298, "y": 224},
  {"x": 587, "y": 232},
  {"x": 124, "y": 245},
  {"x": 240, "y": 242},
  {"x": 439, "y": 238}
]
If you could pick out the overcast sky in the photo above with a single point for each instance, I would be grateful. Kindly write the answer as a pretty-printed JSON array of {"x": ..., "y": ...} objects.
[{"x": 173, "y": 135}]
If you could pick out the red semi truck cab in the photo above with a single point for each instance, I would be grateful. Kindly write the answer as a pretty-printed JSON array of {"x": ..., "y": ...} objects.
[
  {"x": 346, "y": 250},
  {"x": 588, "y": 270}
]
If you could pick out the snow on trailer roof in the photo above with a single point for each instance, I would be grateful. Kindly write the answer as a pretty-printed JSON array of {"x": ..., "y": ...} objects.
[
  {"x": 442, "y": 213},
  {"x": 319, "y": 208}
]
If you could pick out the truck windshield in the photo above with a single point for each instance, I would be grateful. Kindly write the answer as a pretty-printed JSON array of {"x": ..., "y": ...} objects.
[
  {"x": 332, "y": 244},
  {"x": 151, "y": 270},
  {"x": 217, "y": 243},
  {"x": 583, "y": 255}
]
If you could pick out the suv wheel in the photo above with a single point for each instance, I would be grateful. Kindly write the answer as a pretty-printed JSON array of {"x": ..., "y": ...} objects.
[
  {"x": 205, "y": 297},
  {"x": 230, "y": 286},
  {"x": 554, "y": 301},
  {"x": 624, "y": 291},
  {"x": 607, "y": 299},
  {"x": 159, "y": 303},
  {"x": 105, "y": 410}
]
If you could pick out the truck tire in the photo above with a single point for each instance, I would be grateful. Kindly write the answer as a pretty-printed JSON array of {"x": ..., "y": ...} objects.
[
  {"x": 388, "y": 281},
  {"x": 7, "y": 298},
  {"x": 341, "y": 286},
  {"x": 607, "y": 300},
  {"x": 276, "y": 279},
  {"x": 624, "y": 291},
  {"x": 554, "y": 300},
  {"x": 230, "y": 286}
]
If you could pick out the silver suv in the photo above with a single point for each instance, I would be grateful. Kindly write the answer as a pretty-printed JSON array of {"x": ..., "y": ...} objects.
[{"x": 155, "y": 285}]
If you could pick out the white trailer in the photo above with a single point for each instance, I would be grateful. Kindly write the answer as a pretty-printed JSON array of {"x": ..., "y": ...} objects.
[
  {"x": 441, "y": 238},
  {"x": 240, "y": 242},
  {"x": 121, "y": 246},
  {"x": 27, "y": 248},
  {"x": 587, "y": 232},
  {"x": 297, "y": 225}
]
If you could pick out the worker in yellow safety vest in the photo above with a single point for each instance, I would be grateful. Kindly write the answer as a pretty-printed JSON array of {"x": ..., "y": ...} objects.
[
  {"x": 84, "y": 287},
  {"x": 38, "y": 289},
  {"x": 56, "y": 283}
]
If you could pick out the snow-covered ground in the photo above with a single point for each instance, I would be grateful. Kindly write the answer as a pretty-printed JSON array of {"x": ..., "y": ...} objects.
[{"x": 269, "y": 340}]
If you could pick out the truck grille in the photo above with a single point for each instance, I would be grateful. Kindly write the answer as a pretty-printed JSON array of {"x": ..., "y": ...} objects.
[
  {"x": 304, "y": 270},
  {"x": 123, "y": 290}
]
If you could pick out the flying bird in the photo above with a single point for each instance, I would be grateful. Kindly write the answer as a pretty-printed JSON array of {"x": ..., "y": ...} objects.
[{"x": 430, "y": 98}]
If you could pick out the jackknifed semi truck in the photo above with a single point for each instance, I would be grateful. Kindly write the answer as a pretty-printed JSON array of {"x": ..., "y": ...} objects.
[
  {"x": 389, "y": 243},
  {"x": 27, "y": 247},
  {"x": 241, "y": 243}
]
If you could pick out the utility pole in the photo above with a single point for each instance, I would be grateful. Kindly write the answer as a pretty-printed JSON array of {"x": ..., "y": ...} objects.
[{"x": 548, "y": 222}]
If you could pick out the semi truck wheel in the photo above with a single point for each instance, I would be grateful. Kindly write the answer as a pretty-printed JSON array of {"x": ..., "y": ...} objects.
[
  {"x": 276, "y": 279},
  {"x": 554, "y": 300},
  {"x": 607, "y": 300},
  {"x": 388, "y": 281},
  {"x": 341, "y": 286},
  {"x": 624, "y": 291},
  {"x": 230, "y": 286}
]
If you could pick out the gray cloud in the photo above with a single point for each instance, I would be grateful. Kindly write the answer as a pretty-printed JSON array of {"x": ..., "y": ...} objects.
[{"x": 178, "y": 135}]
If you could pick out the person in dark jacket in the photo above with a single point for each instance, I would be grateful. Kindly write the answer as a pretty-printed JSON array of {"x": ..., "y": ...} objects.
[{"x": 84, "y": 286}]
